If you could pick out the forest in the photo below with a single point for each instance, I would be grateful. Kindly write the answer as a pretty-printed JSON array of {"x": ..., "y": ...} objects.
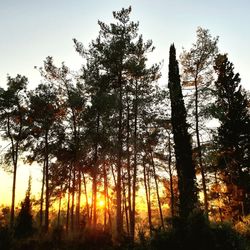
[{"x": 127, "y": 163}]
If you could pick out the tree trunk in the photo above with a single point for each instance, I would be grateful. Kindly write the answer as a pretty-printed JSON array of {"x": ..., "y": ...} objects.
[
  {"x": 78, "y": 207},
  {"x": 147, "y": 191},
  {"x": 157, "y": 191},
  {"x": 59, "y": 208},
  {"x": 42, "y": 197},
  {"x": 46, "y": 182},
  {"x": 68, "y": 201},
  {"x": 128, "y": 167},
  {"x": 95, "y": 170},
  {"x": 107, "y": 204},
  {"x": 105, "y": 185},
  {"x": 12, "y": 213},
  {"x": 170, "y": 177},
  {"x": 119, "y": 224},
  {"x": 94, "y": 201},
  {"x": 125, "y": 207},
  {"x": 72, "y": 224},
  {"x": 135, "y": 164},
  {"x": 86, "y": 198},
  {"x": 204, "y": 188},
  {"x": 14, "y": 155}
]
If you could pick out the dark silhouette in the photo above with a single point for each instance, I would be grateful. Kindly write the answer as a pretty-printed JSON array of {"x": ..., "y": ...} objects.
[
  {"x": 13, "y": 114},
  {"x": 234, "y": 133},
  {"x": 183, "y": 149},
  {"x": 24, "y": 221},
  {"x": 105, "y": 135}
]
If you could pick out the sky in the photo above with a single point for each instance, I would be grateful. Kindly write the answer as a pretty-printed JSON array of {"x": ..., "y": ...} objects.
[{"x": 31, "y": 30}]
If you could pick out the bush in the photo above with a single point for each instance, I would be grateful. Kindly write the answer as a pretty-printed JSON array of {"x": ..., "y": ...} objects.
[
  {"x": 226, "y": 238},
  {"x": 197, "y": 234},
  {"x": 24, "y": 222},
  {"x": 97, "y": 239},
  {"x": 5, "y": 238}
]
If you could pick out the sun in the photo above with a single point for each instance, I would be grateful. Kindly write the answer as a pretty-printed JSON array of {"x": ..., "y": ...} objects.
[{"x": 101, "y": 203}]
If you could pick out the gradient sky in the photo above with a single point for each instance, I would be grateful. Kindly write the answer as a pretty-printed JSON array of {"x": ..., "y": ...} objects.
[{"x": 31, "y": 30}]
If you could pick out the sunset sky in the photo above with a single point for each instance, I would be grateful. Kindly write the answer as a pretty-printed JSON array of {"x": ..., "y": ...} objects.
[{"x": 31, "y": 30}]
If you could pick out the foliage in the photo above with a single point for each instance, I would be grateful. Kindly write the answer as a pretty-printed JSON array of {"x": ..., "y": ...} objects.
[
  {"x": 234, "y": 130},
  {"x": 121, "y": 90},
  {"x": 197, "y": 63},
  {"x": 183, "y": 150},
  {"x": 91, "y": 240},
  {"x": 198, "y": 234},
  {"x": 5, "y": 238},
  {"x": 24, "y": 222},
  {"x": 105, "y": 131},
  {"x": 13, "y": 124},
  {"x": 197, "y": 67}
]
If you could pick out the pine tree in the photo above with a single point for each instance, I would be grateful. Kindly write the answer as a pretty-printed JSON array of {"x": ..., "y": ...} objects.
[
  {"x": 183, "y": 150},
  {"x": 234, "y": 130},
  {"x": 24, "y": 222},
  {"x": 44, "y": 114},
  {"x": 71, "y": 149},
  {"x": 120, "y": 86},
  {"x": 13, "y": 117},
  {"x": 198, "y": 72}
]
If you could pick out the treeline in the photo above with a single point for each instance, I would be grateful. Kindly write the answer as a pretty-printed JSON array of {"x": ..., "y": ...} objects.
[{"x": 109, "y": 130}]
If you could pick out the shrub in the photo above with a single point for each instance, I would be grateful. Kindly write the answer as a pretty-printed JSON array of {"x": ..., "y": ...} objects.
[
  {"x": 24, "y": 222},
  {"x": 226, "y": 238},
  {"x": 5, "y": 238},
  {"x": 197, "y": 234}
]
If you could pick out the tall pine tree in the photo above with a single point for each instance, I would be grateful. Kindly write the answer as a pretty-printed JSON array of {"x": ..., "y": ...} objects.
[
  {"x": 13, "y": 116},
  {"x": 121, "y": 89},
  {"x": 234, "y": 131}
]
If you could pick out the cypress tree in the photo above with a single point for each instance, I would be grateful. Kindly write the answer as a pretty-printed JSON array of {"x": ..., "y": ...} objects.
[{"x": 183, "y": 150}]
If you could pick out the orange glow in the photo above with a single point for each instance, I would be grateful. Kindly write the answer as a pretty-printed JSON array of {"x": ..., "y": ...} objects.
[{"x": 101, "y": 203}]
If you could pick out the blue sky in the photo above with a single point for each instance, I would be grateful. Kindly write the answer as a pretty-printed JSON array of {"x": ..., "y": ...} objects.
[{"x": 31, "y": 30}]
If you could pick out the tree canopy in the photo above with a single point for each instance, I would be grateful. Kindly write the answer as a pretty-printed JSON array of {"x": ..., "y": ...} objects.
[{"x": 125, "y": 162}]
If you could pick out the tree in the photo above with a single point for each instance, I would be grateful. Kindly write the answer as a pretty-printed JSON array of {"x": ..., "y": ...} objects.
[
  {"x": 45, "y": 113},
  {"x": 98, "y": 115},
  {"x": 13, "y": 114},
  {"x": 234, "y": 131},
  {"x": 183, "y": 150},
  {"x": 72, "y": 148},
  {"x": 24, "y": 222},
  {"x": 198, "y": 72},
  {"x": 120, "y": 87}
]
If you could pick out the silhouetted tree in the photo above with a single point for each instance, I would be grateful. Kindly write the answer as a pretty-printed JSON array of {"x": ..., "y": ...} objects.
[
  {"x": 44, "y": 113},
  {"x": 117, "y": 78},
  {"x": 13, "y": 114},
  {"x": 24, "y": 221},
  {"x": 102, "y": 105},
  {"x": 71, "y": 149},
  {"x": 183, "y": 150},
  {"x": 198, "y": 72},
  {"x": 234, "y": 131}
]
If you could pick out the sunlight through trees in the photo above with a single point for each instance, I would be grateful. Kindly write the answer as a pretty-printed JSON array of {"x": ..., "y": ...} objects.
[{"x": 124, "y": 162}]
